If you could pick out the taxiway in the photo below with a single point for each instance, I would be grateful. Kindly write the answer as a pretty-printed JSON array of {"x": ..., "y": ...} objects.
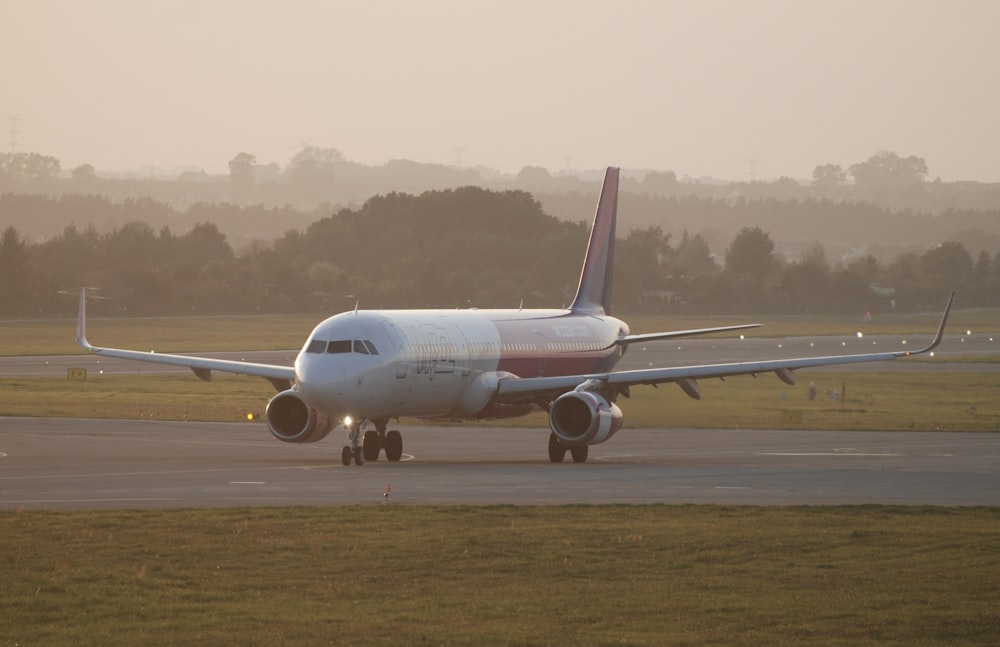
[{"x": 106, "y": 464}]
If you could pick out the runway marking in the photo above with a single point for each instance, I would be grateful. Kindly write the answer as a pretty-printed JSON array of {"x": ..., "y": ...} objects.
[
  {"x": 842, "y": 454},
  {"x": 35, "y": 477},
  {"x": 248, "y": 482},
  {"x": 731, "y": 487}
]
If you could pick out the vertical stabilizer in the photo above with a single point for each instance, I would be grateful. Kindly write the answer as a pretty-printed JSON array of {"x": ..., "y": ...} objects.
[{"x": 594, "y": 293}]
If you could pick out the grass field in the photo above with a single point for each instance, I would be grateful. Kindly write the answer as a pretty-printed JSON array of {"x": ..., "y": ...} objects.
[
  {"x": 574, "y": 575},
  {"x": 248, "y": 333},
  {"x": 884, "y": 401}
]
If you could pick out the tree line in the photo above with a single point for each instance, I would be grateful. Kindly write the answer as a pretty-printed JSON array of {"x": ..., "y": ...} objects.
[
  {"x": 465, "y": 247},
  {"x": 317, "y": 176}
]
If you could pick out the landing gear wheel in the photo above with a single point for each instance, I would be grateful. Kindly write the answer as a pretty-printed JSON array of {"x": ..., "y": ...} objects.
[
  {"x": 345, "y": 456},
  {"x": 556, "y": 451},
  {"x": 393, "y": 445},
  {"x": 580, "y": 453},
  {"x": 372, "y": 445},
  {"x": 359, "y": 455}
]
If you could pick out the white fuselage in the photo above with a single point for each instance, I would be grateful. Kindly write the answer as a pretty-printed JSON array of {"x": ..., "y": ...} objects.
[{"x": 445, "y": 363}]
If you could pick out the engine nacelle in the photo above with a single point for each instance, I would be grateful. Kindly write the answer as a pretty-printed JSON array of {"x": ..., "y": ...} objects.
[
  {"x": 291, "y": 420},
  {"x": 583, "y": 418}
]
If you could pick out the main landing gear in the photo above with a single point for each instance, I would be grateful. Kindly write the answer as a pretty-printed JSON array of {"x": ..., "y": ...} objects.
[
  {"x": 368, "y": 446},
  {"x": 557, "y": 451}
]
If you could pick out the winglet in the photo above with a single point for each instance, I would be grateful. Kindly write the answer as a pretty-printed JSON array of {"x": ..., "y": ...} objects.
[
  {"x": 81, "y": 321},
  {"x": 594, "y": 292},
  {"x": 940, "y": 331}
]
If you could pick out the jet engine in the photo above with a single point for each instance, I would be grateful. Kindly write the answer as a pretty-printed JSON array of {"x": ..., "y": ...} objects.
[
  {"x": 583, "y": 418},
  {"x": 291, "y": 420}
]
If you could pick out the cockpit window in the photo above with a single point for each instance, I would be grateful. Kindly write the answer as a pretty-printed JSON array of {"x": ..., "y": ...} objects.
[
  {"x": 339, "y": 346},
  {"x": 360, "y": 346}
]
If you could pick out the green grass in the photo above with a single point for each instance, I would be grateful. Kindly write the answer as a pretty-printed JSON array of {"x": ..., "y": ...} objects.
[
  {"x": 153, "y": 397},
  {"x": 568, "y": 575},
  {"x": 885, "y": 401}
]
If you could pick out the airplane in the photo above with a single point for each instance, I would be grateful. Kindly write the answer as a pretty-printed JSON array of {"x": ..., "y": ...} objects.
[{"x": 363, "y": 368}]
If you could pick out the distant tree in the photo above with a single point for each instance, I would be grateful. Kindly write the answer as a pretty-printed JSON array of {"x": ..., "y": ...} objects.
[
  {"x": 805, "y": 283},
  {"x": 312, "y": 172},
  {"x": 267, "y": 172},
  {"x": 886, "y": 169},
  {"x": 661, "y": 182},
  {"x": 241, "y": 175},
  {"x": 983, "y": 269},
  {"x": 639, "y": 261},
  {"x": 84, "y": 173},
  {"x": 829, "y": 176},
  {"x": 869, "y": 268},
  {"x": 945, "y": 268},
  {"x": 750, "y": 264},
  {"x": 751, "y": 253},
  {"x": 29, "y": 166},
  {"x": 985, "y": 286},
  {"x": 691, "y": 258},
  {"x": 316, "y": 155},
  {"x": 12, "y": 253},
  {"x": 15, "y": 284},
  {"x": 534, "y": 177},
  {"x": 205, "y": 243}
]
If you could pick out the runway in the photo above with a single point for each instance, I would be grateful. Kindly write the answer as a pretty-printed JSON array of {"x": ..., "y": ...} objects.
[{"x": 67, "y": 464}]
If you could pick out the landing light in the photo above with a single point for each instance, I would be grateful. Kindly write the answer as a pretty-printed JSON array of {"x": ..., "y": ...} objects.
[
  {"x": 347, "y": 421},
  {"x": 860, "y": 334}
]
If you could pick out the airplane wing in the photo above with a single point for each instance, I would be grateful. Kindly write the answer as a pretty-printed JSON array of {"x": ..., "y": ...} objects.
[
  {"x": 534, "y": 388},
  {"x": 279, "y": 376}
]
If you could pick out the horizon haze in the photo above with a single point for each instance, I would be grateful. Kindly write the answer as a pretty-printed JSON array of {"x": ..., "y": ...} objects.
[{"x": 731, "y": 90}]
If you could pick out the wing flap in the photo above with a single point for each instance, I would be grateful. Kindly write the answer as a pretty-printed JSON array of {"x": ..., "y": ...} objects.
[{"x": 675, "y": 334}]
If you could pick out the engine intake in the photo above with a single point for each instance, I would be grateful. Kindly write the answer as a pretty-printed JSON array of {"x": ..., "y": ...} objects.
[
  {"x": 291, "y": 420},
  {"x": 584, "y": 418}
]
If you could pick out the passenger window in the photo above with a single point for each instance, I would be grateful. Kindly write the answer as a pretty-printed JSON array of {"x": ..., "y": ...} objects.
[
  {"x": 316, "y": 346},
  {"x": 339, "y": 346}
]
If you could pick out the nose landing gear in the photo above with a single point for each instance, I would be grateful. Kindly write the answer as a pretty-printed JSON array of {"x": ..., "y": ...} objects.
[
  {"x": 368, "y": 446},
  {"x": 355, "y": 450}
]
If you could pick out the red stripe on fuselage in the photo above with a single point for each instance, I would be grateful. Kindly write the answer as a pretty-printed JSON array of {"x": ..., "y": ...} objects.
[{"x": 566, "y": 345}]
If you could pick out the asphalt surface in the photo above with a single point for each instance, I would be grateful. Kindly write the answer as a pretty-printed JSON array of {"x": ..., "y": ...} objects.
[{"x": 107, "y": 464}]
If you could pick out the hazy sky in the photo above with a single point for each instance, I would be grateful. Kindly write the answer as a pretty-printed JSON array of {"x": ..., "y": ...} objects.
[{"x": 724, "y": 88}]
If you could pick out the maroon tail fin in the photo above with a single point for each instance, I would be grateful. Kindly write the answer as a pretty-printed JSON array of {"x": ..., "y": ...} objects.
[{"x": 594, "y": 293}]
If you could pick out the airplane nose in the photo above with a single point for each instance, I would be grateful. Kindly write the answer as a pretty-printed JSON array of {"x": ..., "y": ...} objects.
[{"x": 319, "y": 378}]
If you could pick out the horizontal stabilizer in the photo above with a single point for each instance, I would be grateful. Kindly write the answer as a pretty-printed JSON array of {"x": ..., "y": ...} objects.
[{"x": 676, "y": 334}]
